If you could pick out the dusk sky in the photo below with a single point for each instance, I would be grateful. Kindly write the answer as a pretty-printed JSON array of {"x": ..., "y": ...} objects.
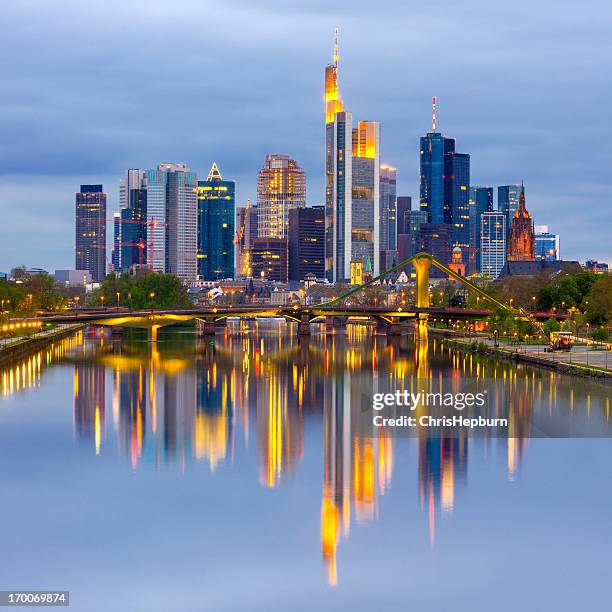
[{"x": 90, "y": 89}]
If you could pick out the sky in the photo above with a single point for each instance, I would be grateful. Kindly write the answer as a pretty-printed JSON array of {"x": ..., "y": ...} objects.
[{"x": 90, "y": 89}]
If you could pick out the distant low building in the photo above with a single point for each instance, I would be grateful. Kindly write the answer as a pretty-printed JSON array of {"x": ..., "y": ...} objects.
[
  {"x": 531, "y": 268},
  {"x": 595, "y": 266},
  {"x": 73, "y": 278}
]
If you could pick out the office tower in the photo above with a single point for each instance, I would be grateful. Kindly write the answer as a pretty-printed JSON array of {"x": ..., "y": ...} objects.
[
  {"x": 90, "y": 226},
  {"x": 134, "y": 179},
  {"x": 436, "y": 239},
  {"x": 409, "y": 242},
  {"x": 365, "y": 196},
  {"x": 547, "y": 244},
  {"x": 269, "y": 259},
  {"x": 404, "y": 206},
  {"x": 281, "y": 186},
  {"x": 388, "y": 208},
  {"x": 508, "y": 203},
  {"x": 352, "y": 189},
  {"x": 172, "y": 219},
  {"x": 134, "y": 232},
  {"x": 445, "y": 181},
  {"x": 481, "y": 201},
  {"x": 116, "y": 252},
  {"x": 246, "y": 232},
  {"x": 306, "y": 242},
  {"x": 522, "y": 235},
  {"x": 492, "y": 243},
  {"x": 216, "y": 205}
]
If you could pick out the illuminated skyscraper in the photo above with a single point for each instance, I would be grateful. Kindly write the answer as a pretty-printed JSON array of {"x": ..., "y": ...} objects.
[
  {"x": 216, "y": 216},
  {"x": 522, "y": 235},
  {"x": 388, "y": 208},
  {"x": 116, "y": 252},
  {"x": 246, "y": 232},
  {"x": 281, "y": 186},
  {"x": 134, "y": 232},
  {"x": 133, "y": 179},
  {"x": 492, "y": 243},
  {"x": 547, "y": 244},
  {"x": 352, "y": 190},
  {"x": 90, "y": 231},
  {"x": 306, "y": 242},
  {"x": 172, "y": 219},
  {"x": 481, "y": 201}
]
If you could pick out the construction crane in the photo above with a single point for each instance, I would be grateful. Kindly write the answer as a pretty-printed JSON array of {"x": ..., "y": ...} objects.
[{"x": 241, "y": 230}]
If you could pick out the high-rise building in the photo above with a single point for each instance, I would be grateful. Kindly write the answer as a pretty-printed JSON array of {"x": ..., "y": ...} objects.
[
  {"x": 134, "y": 232},
  {"x": 90, "y": 235},
  {"x": 116, "y": 252},
  {"x": 492, "y": 243},
  {"x": 281, "y": 186},
  {"x": 404, "y": 206},
  {"x": 481, "y": 201},
  {"x": 409, "y": 242},
  {"x": 547, "y": 244},
  {"x": 445, "y": 182},
  {"x": 134, "y": 179},
  {"x": 352, "y": 190},
  {"x": 246, "y": 232},
  {"x": 437, "y": 240},
  {"x": 172, "y": 219},
  {"x": 508, "y": 203},
  {"x": 306, "y": 242},
  {"x": 522, "y": 235},
  {"x": 388, "y": 208},
  {"x": 216, "y": 217},
  {"x": 269, "y": 259}
]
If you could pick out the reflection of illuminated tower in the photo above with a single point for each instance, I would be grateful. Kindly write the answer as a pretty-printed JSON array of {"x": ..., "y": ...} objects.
[
  {"x": 132, "y": 411},
  {"x": 442, "y": 463},
  {"x": 179, "y": 411},
  {"x": 280, "y": 431},
  {"x": 90, "y": 402}
]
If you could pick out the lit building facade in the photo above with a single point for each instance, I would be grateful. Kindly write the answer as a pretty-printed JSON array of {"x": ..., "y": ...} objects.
[
  {"x": 306, "y": 242},
  {"x": 547, "y": 244},
  {"x": 134, "y": 232},
  {"x": 269, "y": 259},
  {"x": 116, "y": 253},
  {"x": 90, "y": 231},
  {"x": 246, "y": 232},
  {"x": 281, "y": 186},
  {"x": 508, "y": 203},
  {"x": 437, "y": 240},
  {"x": 492, "y": 243},
  {"x": 172, "y": 220},
  {"x": 522, "y": 235},
  {"x": 388, "y": 208},
  {"x": 352, "y": 189},
  {"x": 134, "y": 178},
  {"x": 481, "y": 201},
  {"x": 216, "y": 223}
]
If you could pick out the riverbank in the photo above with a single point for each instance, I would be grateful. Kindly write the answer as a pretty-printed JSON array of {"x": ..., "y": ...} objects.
[
  {"x": 535, "y": 355},
  {"x": 22, "y": 347}
]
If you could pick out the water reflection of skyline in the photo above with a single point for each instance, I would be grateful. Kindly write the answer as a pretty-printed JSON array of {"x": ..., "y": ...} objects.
[{"x": 187, "y": 400}]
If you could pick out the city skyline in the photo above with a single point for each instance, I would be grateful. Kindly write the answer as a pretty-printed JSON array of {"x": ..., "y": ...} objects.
[{"x": 534, "y": 132}]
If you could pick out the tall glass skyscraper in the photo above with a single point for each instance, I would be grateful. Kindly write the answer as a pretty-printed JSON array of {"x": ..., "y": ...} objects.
[
  {"x": 508, "y": 202},
  {"x": 90, "y": 231},
  {"x": 281, "y": 186},
  {"x": 216, "y": 222},
  {"x": 352, "y": 189},
  {"x": 388, "y": 208},
  {"x": 547, "y": 244},
  {"x": 456, "y": 197},
  {"x": 172, "y": 219},
  {"x": 134, "y": 231},
  {"x": 492, "y": 243},
  {"x": 481, "y": 201}
]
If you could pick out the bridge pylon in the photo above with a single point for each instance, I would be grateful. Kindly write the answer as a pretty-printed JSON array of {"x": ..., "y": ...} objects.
[{"x": 422, "y": 264}]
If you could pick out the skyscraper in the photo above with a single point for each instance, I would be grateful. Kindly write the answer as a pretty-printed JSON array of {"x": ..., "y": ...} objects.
[
  {"x": 409, "y": 241},
  {"x": 437, "y": 240},
  {"x": 172, "y": 219},
  {"x": 134, "y": 179},
  {"x": 492, "y": 243},
  {"x": 352, "y": 190},
  {"x": 508, "y": 203},
  {"x": 547, "y": 244},
  {"x": 306, "y": 242},
  {"x": 246, "y": 232},
  {"x": 269, "y": 259},
  {"x": 90, "y": 234},
  {"x": 134, "y": 232},
  {"x": 522, "y": 235},
  {"x": 216, "y": 217},
  {"x": 445, "y": 181},
  {"x": 281, "y": 186},
  {"x": 116, "y": 252},
  {"x": 404, "y": 206},
  {"x": 481, "y": 201},
  {"x": 388, "y": 208}
]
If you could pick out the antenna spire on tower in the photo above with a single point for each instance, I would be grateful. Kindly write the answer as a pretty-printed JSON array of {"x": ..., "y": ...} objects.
[
  {"x": 433, "y": 114},
  {"x": 336, "y": 32}
]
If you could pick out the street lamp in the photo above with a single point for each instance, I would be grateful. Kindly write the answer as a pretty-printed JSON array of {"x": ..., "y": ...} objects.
[
  {"x": 533, "y": 299},
  {"x": 130, "y": 300},
  {"x": 118, "y": 296},
  {"x": 102, "y": 300}
]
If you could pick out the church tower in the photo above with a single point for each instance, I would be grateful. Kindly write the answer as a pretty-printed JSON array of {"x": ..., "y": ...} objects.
[{"x": 521, "y": 245}]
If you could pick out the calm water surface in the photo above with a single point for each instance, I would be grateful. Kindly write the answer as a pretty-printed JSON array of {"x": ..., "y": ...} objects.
[{"x": 191, "y": 476}]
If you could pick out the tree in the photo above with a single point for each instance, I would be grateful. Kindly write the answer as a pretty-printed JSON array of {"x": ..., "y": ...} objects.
[
  {"x": 552, "y": 325},
  {"x": 599, "y": 307},
  {"x": 600, "y": 334}
]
